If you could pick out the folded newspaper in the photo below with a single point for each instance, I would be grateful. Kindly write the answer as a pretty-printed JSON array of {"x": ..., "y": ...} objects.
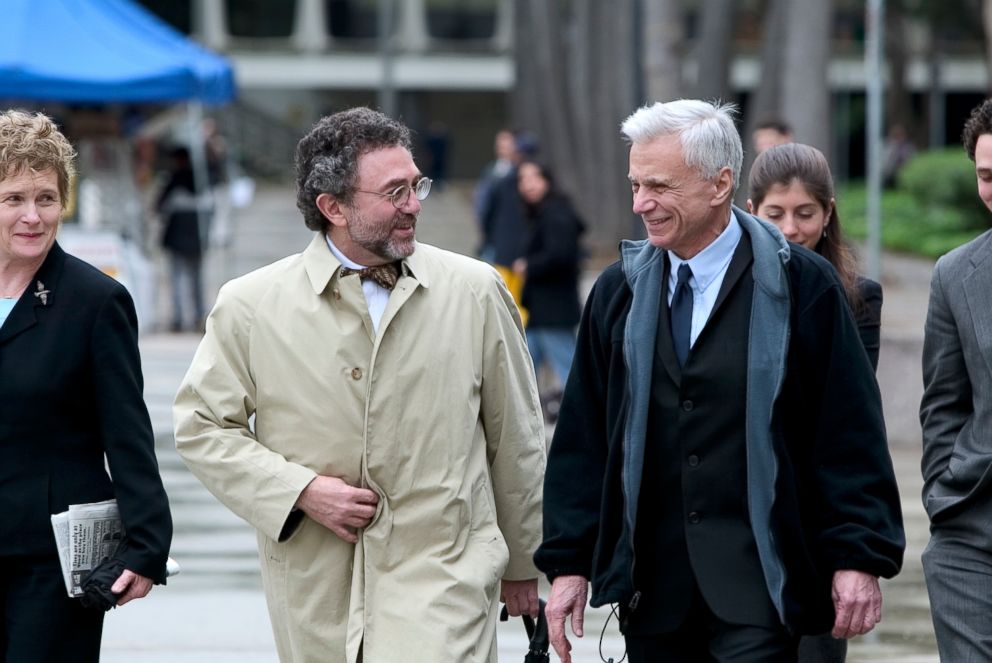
[{"x": 86, "y": 535}]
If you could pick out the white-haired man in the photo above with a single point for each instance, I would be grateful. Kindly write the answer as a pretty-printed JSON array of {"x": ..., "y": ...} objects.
[{"x": 724, "y": 424}]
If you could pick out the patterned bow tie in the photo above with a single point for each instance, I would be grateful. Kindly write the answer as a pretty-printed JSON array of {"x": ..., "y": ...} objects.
[{"x": 385, "y": 275}]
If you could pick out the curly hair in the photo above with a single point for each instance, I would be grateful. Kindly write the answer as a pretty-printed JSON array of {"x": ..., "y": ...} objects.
[
  {"x": 327, "y": 157},
  {"x": 32, "y": 142},
  {"x": 980, "y": 122}
]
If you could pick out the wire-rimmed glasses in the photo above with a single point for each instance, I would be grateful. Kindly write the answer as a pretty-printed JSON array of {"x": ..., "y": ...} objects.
[{"x": 401, "y": 194}]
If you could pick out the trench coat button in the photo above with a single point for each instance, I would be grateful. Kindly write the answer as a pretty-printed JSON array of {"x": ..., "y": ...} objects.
[
  {"x": 687, "y": 406},
  {"x": 694, "y": 518},
  {"x": 356, "y": 374},
  {"x": 336, "y": 293},
  {"x": 693, "y": 460}
]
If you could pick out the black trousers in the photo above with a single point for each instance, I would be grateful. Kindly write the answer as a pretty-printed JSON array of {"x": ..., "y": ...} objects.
[
  {"x": 704, "y": 638},
  {"x": 40, "y": 623}
]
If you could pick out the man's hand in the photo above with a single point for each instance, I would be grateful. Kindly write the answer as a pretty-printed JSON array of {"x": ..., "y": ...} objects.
[
  {"x": 857, "y": 602},
  {"x": 568, "y": 597},
  {"x": 131, "y": 585},
  {"x": 337, "y": 506},
  {"x": 520, "y": 596}
]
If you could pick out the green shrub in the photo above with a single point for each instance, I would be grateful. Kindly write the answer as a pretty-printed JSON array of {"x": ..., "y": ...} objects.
[
  {"x": 906, "y": 225},
  {"x": 945, "y": 179}
]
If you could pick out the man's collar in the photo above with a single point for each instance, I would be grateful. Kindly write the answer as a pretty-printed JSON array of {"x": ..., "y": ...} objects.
[
  {"x": 321, "y": 261},
  {"x": 711, "y": 261}
]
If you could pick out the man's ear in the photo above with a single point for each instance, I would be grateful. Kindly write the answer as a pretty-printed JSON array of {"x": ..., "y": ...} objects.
[
  {"x": 723, "y": 187},
  {"x": 330, "y": 207}
]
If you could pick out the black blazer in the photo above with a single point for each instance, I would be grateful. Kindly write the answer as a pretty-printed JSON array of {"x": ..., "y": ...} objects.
[
  {"x": 70, "y": 395},
  {"x": 551, "y": 288},
  {"x": 868, "y": 317}
]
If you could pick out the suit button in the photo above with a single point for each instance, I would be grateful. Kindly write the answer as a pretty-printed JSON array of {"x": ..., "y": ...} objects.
[
  {"x": 694, "y": 518},
  {"x": 356, "y": 374},
  {"x": 687, "y": 406},
  {"x": 693, "y": 460}
]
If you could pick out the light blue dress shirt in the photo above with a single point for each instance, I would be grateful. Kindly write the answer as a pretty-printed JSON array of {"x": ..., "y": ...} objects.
[
  {"x": 6, "y": 306},
  {"x": 709, "y": 266}
]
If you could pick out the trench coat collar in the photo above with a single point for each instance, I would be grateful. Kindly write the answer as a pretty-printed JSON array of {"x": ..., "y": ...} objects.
[{"x": 321, "y": 265}]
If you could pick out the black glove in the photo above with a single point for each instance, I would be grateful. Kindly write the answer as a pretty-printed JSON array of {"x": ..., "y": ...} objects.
[{"x": 96, "y": 587}]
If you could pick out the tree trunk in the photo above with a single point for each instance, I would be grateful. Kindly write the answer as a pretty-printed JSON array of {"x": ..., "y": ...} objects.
[
  {"x": 575, "y": 84},
  {"x": 764, "y": 103},
  {"x": 662, "y": 39},
  {"x": 897, "y": 105},
  {"x": 987, "y": 24},
  {"x": 714, "y": 49},
  {"x": 806, "y": 52}
]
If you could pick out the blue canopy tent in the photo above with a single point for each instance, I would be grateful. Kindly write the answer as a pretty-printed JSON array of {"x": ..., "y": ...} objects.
[
  {"x": 103, "y": 51},
  {"x": 109, "y": 51}
]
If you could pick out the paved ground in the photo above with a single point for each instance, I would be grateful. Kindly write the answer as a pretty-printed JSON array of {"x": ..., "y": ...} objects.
[{"x": 214, "y": 611}]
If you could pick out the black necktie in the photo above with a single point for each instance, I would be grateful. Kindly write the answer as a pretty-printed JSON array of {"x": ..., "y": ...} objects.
[
  {"x": 385, "y": 275},
  {"x": 681, "y": 314}
]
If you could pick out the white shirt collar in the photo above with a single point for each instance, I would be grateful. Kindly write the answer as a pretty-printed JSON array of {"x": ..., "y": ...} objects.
[{"x": 344, "y": 260}]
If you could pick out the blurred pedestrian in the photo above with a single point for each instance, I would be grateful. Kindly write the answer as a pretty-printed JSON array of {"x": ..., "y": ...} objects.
[
  {"x": 719, "y": 468},
  {"x": 791, "y": 186},
  {"x": 896, "y": 153},
  {"x": 504, "y": 147},
  {"x": 370, "y": 408},
  {"x": 180, "y": 208},
  {"x": 956, "y": 414},
  {"x": 504, "y": 225},
  {"x": 70, "y": 408},
  {"x": 438, "y": 144},
  {"x": 769, "y": 133},
  {"x": 550, "y": 272}
]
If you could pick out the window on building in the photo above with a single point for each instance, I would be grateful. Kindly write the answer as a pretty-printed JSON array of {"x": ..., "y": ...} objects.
[
  {"x": 461, "y": 19},
  {"x": 355, "y": 19},
  {"x": 177, "y": 13},
  {"x": 260, "y": 18}
]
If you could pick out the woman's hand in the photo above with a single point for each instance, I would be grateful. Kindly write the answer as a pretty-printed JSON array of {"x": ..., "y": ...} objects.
[{"x": 131, "y": 586}]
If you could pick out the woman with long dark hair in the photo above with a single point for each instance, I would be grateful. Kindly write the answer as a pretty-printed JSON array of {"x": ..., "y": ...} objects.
[
  {"x": 791, "y": 186},
  {"x": 550, "y": 269}
]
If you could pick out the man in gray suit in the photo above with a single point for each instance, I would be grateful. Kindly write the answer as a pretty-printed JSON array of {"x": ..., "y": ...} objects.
[{"x": 956, "y": 414}]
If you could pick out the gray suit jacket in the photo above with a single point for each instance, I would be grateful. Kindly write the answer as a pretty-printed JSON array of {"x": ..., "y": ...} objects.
[{"x": 956, "y": 411}]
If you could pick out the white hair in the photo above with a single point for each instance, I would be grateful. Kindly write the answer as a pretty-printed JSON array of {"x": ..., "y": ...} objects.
[{"x": 709, "y": 138}]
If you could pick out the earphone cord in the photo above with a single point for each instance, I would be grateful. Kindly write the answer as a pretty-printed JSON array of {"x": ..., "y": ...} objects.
[{"x": 602, "y": 634}]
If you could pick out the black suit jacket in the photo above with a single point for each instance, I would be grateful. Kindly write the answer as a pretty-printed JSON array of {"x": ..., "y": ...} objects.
[{"x": 70, "y": 396}]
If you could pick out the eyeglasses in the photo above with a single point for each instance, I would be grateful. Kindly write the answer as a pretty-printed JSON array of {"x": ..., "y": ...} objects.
[{"x": 401, "y": 194}]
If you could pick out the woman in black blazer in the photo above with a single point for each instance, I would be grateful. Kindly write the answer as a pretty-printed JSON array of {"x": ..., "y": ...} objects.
[
  {"x": 70, "y": 397},
  {"x": 550, "y": 273},
  {"x": 791, "y": 186}
]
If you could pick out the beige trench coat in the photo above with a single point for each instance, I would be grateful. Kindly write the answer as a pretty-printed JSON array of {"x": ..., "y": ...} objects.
[{"x": 438, "y": 414}]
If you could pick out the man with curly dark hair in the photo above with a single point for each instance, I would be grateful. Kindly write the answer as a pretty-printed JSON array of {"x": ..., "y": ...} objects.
[
  {"x": 370, "y": 408},
  {"x": 956, "y": 415}
]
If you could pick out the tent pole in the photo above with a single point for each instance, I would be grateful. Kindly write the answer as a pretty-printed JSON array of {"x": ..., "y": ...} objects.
[{"x": 198, "y": 160}]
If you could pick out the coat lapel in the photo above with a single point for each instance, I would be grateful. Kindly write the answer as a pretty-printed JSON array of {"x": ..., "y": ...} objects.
[
  {"x": 39, "y": 294},
  {"x": 739, "y": 264},
  {"x": 977, "y": 286}
]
